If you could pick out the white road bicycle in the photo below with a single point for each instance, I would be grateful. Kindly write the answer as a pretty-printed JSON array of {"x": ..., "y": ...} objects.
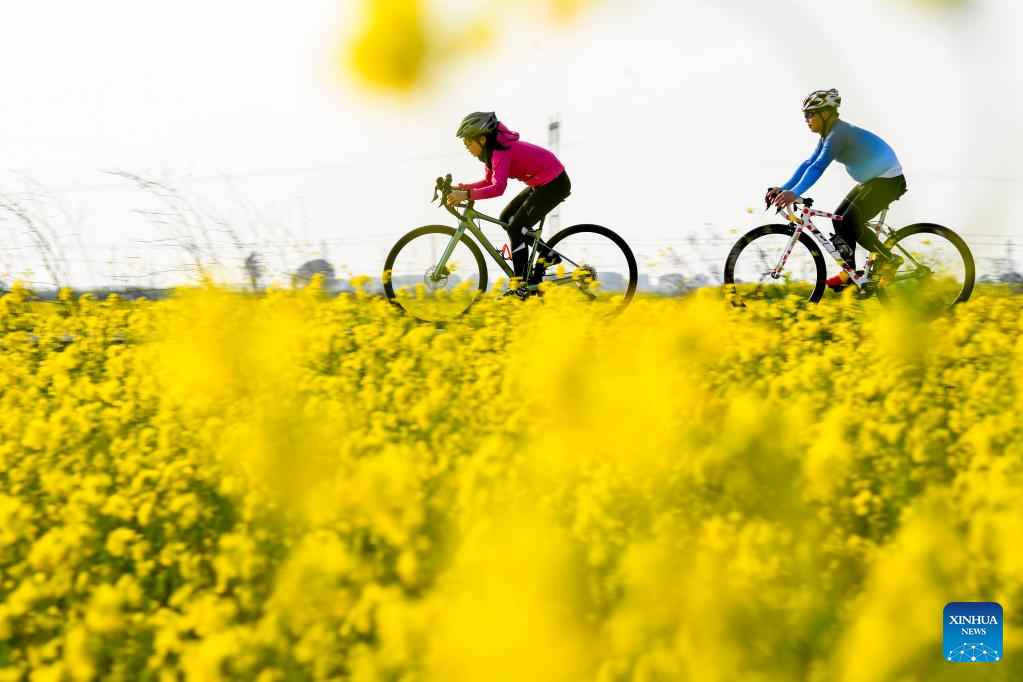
[{"x": 773, "y": 262}]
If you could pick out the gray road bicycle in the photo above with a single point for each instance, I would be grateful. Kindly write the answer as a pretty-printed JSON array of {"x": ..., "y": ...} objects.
[
  {"x": 436, "y": 272},
  {"x": 935, "y": 269}
]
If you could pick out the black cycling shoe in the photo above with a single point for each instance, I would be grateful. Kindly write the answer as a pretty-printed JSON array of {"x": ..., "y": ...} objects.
[
  {"x": 520, "y": 292},
  {"x": 542, "y": 263}
]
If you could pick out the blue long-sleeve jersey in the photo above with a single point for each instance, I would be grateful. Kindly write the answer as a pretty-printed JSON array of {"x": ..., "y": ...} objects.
[{"x": 865, "y": 155}]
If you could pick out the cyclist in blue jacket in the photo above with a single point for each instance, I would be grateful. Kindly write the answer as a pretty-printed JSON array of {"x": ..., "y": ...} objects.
[{"x": 869, "y": 160}]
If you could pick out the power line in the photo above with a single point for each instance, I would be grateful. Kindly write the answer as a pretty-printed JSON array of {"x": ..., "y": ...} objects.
[{"x": 270, "y": 172}]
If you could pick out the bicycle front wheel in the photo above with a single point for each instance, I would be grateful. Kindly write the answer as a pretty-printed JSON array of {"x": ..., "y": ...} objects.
[
  {"x": 750, "y": 271},
  {"x": 937, "y": 270},
  {"x": 597, "y": 264},
  {"x": 415, "y": 281}
]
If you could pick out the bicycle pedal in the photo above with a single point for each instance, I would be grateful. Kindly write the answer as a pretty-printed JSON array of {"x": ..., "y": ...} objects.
[
  {"x": 521, "y": 293},
  {"x": 868, "y": 290}
]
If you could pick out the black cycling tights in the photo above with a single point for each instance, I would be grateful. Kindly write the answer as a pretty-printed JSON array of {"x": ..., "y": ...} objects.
[
  {"x": 526, "y": 210},
  {"x": 860, "y": 205}
]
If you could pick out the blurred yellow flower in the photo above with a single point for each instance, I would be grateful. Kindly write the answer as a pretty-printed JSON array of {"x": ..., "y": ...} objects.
[{"x": 296, "y": 486}]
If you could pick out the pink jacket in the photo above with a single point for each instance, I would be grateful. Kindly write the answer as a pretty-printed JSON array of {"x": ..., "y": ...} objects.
[{"x": 529, "y": 163}]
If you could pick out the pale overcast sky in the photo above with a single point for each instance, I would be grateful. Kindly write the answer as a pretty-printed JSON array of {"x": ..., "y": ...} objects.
[{"x": 676, "y": 115}]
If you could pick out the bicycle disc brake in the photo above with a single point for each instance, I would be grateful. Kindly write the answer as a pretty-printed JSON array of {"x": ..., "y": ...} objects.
[{"x": 435, "y": 279}]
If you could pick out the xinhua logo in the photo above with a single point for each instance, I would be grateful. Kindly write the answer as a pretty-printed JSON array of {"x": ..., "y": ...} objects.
[{"x": 973, "y": 632}]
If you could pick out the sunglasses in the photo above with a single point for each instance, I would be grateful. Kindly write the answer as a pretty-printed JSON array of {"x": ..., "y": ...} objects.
[{"x": 809, "y": 114}]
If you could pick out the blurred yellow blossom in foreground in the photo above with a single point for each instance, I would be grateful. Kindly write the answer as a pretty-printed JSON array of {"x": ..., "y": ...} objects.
[
  {"x": 222, "y": 486},
  {"x": 399, "y": 44}
]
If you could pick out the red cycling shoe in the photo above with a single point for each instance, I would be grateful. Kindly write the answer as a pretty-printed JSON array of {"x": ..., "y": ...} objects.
[{"x": 841, "y": 280}]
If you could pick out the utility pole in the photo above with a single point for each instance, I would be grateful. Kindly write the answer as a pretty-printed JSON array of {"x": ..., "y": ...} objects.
[{"x": 553, "y": 221}]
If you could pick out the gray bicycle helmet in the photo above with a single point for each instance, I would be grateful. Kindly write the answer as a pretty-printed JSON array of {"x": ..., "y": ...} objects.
[
  {"x": 818, "y": 99},
  {"x": 477, "y": 123}
]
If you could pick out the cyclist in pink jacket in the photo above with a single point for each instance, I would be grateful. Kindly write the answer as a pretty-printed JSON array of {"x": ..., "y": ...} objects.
[{"x": 506, "y": 156}]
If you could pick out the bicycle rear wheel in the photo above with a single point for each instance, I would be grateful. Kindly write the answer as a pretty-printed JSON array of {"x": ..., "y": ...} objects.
[
  {"x": 937, "y": 273},
  {"x": 749, "y": 269},
  {"x": 413, "y": 282},
  {"x": 597, "y": 264}
]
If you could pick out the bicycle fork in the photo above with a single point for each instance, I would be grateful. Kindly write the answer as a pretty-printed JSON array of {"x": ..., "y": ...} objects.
[
  {"x": 776, "y": 272},
  {"x": 441, "y": 269}
]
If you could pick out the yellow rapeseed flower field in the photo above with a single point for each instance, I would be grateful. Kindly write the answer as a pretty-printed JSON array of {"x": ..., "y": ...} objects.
[{"x": 290, "y": 486}]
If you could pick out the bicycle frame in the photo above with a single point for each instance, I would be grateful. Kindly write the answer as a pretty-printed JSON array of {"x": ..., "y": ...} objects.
[
  {"x": 803, "y": 221},
  {"x": 466, "y": 224}
]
